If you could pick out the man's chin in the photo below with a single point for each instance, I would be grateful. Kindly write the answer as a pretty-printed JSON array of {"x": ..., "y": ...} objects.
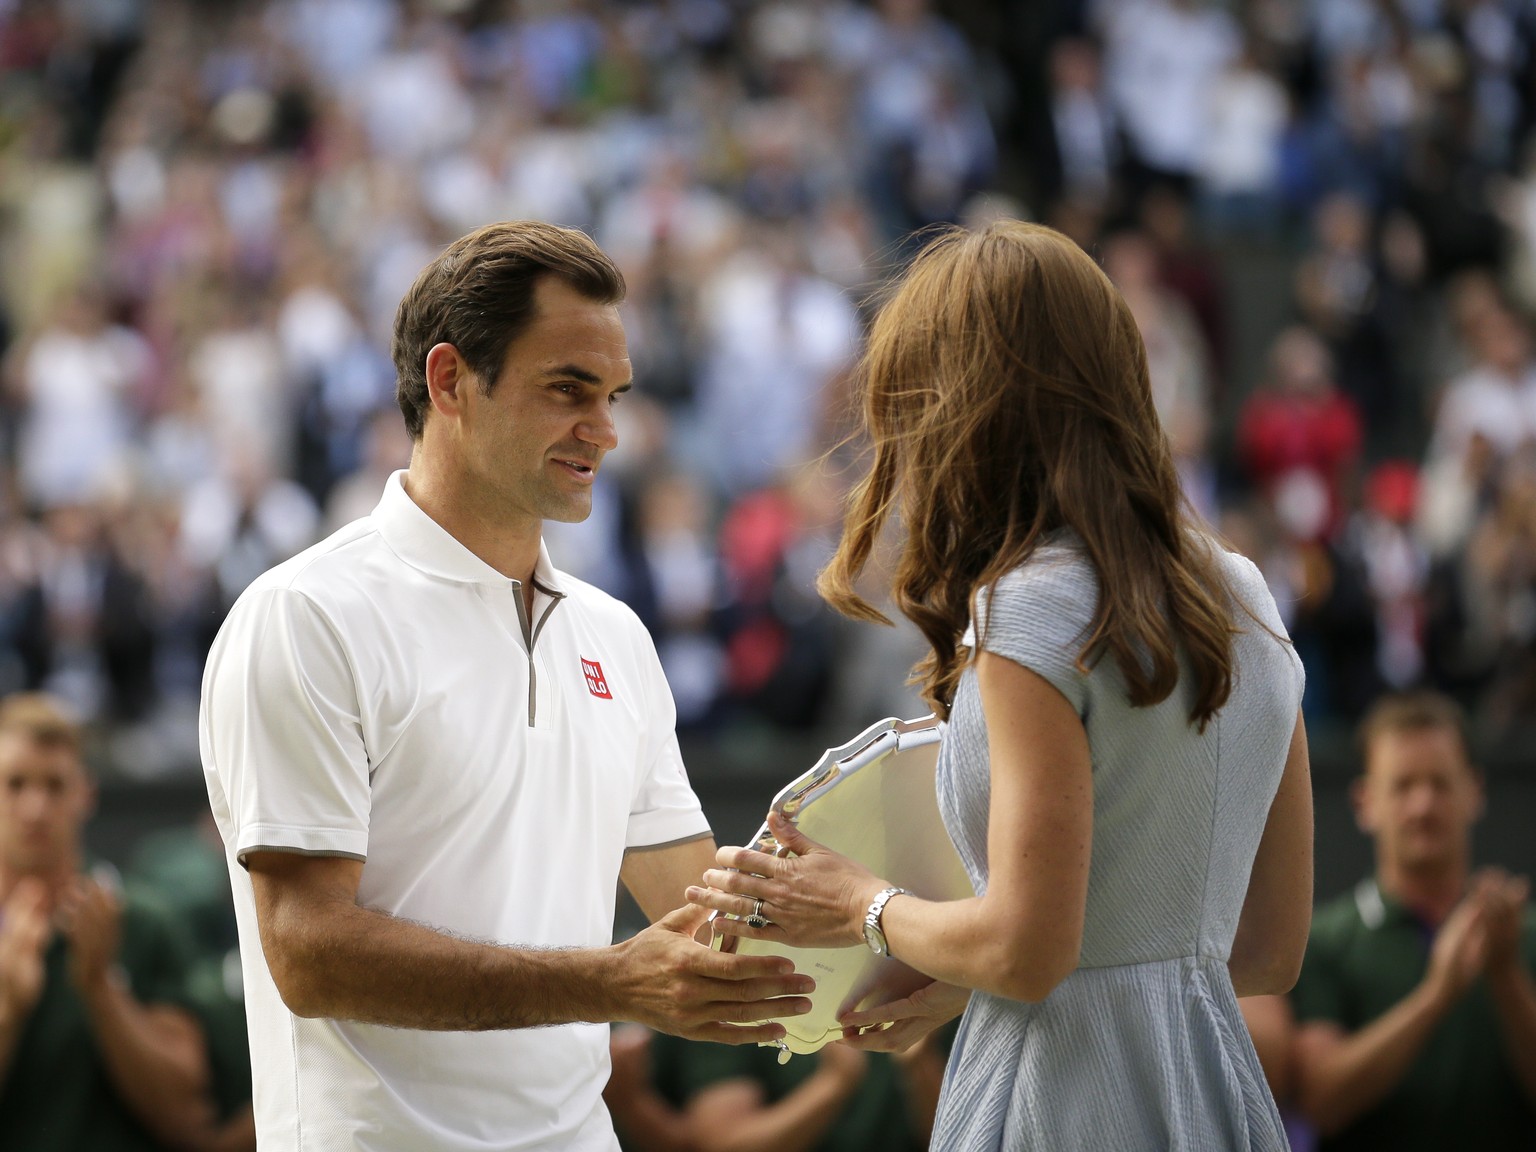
[
  {"x": 1427, "y": 856},
  {"x": 570, "y": 513}
]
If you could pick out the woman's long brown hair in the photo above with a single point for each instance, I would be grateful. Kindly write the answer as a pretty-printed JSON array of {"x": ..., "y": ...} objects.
[{"x": 1005, "y": 396}]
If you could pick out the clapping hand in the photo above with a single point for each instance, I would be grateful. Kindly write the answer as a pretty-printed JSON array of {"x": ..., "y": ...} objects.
[
  {"x": 24, "y": 934},
  {"x": 90, "y": 917},
  {"x": 1481, "y": 936},
  {"x": 1504, "y": 913}
]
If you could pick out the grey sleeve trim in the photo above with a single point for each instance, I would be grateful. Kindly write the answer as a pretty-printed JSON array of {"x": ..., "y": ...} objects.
[
  {"x": 707, "y": 834},
  {"x": 291, "y": 851}
]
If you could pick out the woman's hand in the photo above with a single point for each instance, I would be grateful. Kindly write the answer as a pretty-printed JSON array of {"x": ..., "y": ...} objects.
[
  {"x": 898, "y": 1025},
  {"x": 813, "y": 898}
]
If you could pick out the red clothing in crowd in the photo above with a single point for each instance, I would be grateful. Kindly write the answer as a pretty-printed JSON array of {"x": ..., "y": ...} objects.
[{"x": 1283, "y": 432}]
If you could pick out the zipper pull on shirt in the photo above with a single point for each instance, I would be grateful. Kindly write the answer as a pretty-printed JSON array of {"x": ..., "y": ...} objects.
[{"x": 531, "y": 630}]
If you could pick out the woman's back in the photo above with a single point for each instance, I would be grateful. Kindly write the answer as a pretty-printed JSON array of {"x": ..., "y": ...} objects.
[{"x": 1143, "y": 1045}]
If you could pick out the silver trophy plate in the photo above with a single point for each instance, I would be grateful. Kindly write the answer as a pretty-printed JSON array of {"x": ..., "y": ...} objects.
[{"x": 873, "y": 801}]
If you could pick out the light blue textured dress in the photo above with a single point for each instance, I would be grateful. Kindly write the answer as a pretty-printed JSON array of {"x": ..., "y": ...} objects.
[{"x": 1142, "y": 1047}]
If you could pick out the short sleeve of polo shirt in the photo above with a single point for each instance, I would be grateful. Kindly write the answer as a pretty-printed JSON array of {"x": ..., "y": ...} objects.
[
  {"x": 664, "y": 809},
  {"x": 284, "y": 729},
  {"x": 1038, "y": 615}
]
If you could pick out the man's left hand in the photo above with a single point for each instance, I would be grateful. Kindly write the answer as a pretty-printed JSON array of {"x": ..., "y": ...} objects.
[
  {"x": 1505, "y": 913},
  {"x": 90, "y": 918}
]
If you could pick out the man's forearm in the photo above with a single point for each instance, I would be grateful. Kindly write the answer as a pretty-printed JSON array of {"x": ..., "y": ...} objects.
[
  {"x": 1515, "y": 995},
  {"x": 331, "y": 958},
  {"x": 155, "y": 1059},
  {"x": 363, "y": 965},
  {"x": 1341, "y": 1080}
]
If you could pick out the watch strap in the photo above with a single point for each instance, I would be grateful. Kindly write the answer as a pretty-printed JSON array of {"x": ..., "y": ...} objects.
[{"x": 873, "y": 917}]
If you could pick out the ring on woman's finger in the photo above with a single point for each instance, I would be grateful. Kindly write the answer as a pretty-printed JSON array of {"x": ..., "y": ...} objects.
[{"x": 756, "y": 919}]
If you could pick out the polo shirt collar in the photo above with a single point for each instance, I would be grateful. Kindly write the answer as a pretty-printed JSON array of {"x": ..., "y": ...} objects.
[
  {"x": 1378, "y": 910},
  {"x": 1372, "y": 904},
  {"x": 427, "y": 546}
]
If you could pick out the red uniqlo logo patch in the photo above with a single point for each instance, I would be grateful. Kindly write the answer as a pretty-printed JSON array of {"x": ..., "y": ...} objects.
[{"x": 596, "y": 684}]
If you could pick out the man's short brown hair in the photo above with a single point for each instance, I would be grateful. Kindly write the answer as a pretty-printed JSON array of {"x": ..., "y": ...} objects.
[
  {"x": 1420, "y": 711},
  {"x": 478, "y": 296},
  {"x": 41, "y": 718}
]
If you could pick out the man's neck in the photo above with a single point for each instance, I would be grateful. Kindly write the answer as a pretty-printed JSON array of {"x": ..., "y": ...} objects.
[
  {"x": 446, "y": 497},
  {"x": 1430, "y": 893}
]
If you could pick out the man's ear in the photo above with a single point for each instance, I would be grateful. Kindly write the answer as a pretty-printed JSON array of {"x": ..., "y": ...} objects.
[{"x": 448, "y": 379}]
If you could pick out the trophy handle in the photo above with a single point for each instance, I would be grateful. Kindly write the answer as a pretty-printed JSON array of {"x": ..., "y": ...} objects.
[{"x": 837, "y": 764}]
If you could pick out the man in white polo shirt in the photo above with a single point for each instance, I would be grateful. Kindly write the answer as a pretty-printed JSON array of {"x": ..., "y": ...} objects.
[{"x": 432, "y": 755}]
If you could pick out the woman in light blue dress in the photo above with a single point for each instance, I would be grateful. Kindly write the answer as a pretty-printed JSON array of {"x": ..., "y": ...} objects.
[{"x": 1124, "y": 769}]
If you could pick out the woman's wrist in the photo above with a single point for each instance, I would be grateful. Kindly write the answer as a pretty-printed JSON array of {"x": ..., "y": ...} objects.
[{"x": 864, "y": 896}]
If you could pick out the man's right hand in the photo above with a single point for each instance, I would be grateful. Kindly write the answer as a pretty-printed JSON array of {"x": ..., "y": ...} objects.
[
  {"x": 24, "y": 933},
  {"x": 1460, "y": 949},
  {"x": 666, "y": 979},
  {"x": 1505, "y": 915}
]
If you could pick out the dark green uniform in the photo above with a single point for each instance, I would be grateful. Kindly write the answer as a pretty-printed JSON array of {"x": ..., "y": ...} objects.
[
  {"x": 186, "y": 872},
  {"x": 57, "y": 1097},
  {"x": 1365, "y": 954}
]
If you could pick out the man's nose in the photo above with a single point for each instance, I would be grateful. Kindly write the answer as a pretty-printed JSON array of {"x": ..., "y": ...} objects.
[
  {"x": 598, "y": 428},
  {"x": 32, "y": 803}
]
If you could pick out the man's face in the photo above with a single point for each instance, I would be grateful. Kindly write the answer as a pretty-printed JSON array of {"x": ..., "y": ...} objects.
[
  {"x": 45, "y": 799},
  {"x": 1419, "y": 799},
  {"x": 535, "y": 443}
]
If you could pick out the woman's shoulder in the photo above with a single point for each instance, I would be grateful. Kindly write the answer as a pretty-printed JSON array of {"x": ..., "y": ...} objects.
[
  {"x": 1040, "y": 613},
  {"x": 1060, "y": 572},
  {"x": 1237, "y": 569},
  {"x": 1060, "y": 558},
  {"x": 1055, "y": 590},
  {"x": 1246, "y": 586}
]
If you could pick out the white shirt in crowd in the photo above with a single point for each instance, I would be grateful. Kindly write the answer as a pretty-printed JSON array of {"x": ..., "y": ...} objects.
[{"x": 1162, "y": 61}]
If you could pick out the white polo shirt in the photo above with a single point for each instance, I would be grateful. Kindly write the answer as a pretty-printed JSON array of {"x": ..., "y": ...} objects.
[{"x": 377, "y": 697}]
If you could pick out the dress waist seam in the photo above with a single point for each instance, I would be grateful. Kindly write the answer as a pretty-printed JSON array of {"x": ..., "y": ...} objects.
[{"x": 1199, "y": 957}]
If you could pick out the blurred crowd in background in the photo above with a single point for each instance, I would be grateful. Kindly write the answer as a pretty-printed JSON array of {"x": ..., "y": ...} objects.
[{"x": 1323, "y": 215}]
